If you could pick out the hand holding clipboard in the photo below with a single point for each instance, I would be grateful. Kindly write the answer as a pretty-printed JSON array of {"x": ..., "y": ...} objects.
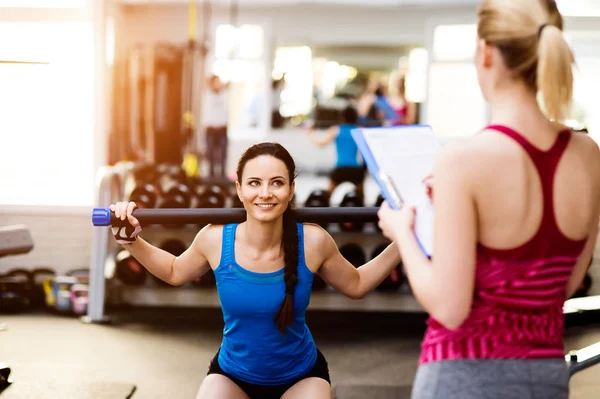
[{"x": 401, "y": 159}]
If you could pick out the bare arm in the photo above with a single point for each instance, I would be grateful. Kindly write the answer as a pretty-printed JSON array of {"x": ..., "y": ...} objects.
[
  {"x": 583, "y": 263},
  {"x": 444, "y": 285},
  {"x": 330, "y": 135},
  {"x": 352, "y": 282},
  {"x": 174, "y": 270}
]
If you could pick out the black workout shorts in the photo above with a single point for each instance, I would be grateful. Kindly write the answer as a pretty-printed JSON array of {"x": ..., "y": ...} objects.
[
  {"x": 254, "y": 391},
  {"x": 354, "y": 175}
]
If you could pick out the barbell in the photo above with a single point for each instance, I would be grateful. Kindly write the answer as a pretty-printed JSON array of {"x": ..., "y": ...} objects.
[{"x": 182, "y": 216}]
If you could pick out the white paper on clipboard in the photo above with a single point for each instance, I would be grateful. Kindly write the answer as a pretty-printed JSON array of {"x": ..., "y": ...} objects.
[{"x": 405, "y": 156}]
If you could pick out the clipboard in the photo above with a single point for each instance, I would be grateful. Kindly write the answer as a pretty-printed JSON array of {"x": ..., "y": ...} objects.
[{"x": 402, "y": 156}]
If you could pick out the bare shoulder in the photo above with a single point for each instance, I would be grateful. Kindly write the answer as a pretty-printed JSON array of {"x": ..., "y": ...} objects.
[
  {"x": 458, "y": 157},
  {"x": 208, "y": 239},
  {"x": 585, "y": 143},
  {"x": 316, "y": 238}
]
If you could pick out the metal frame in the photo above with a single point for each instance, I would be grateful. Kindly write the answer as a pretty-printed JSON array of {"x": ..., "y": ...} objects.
[{"x": 109, "y": 185}]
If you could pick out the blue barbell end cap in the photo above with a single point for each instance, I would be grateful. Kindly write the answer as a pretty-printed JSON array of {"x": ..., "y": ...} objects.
[{"x": 101, "y": 217}]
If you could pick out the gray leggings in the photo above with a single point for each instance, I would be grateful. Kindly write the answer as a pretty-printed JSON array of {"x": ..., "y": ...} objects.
[{"x": 491, "y": 379}]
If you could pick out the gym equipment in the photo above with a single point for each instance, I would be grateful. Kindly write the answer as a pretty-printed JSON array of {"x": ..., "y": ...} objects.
[
  {"x": 213, "y": 196},
  {"x": 352, "y": 199},
  {"x": 396, "y": 278},
  {"x": 24, "y": 278},
  {"x": 13, "y": 295},
  {"x": 15, "y": 240},
  {"x": 175, "y": 193},
  {"x": 40, "y": 289},
  {"x": 174, "y": 247},
  {"x": 105, "y": 217},
  {"x": 5, "y": 380},
  {"x": 584, "y": 358},
  {"x": 318, "y": 199},
  {"x": 353, "y": 254},
  {"x": 49, "y": 297},
  {"x": 62, "y": 292},
  {"x": 82, "y": 275},
  {"x": 79, "y": 298},
  {"x": 129, "y": 270},
  {"x": 144, "y": 195}
]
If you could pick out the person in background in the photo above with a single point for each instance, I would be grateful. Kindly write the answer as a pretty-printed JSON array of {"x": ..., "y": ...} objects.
[
  {"x": 216, "y": 115},
  {"x": 347, "y": 166},
  {"x": 386, "y": 114},
  {"x": 406, "y": 111},
  {"x": 367, "y": 113},
  {"x": 503, "y": 266}
]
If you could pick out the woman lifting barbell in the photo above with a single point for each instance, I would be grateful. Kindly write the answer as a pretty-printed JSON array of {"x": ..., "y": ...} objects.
[
  {"x": 516, "y": 220},
  {"x": 267, "y": 349}
]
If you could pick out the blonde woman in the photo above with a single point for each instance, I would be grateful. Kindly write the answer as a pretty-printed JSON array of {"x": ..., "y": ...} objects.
[{"x": 516, "y": 222}]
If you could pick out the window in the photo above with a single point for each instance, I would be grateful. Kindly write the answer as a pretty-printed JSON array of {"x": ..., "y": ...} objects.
[
  {"x": 454, "y": 42},
  {"x": 46, "y": 123},
  {"x": 295, "y": 63},
  {"x": 455, "y": 104},
  {"x": 239, "y": 59}
]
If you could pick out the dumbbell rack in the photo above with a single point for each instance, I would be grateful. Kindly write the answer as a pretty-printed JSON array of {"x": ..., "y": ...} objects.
[{"x": 110, "y": 189}]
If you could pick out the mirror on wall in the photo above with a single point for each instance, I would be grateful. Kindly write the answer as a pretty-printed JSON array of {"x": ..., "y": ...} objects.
[{"x": 312, "y": 84}]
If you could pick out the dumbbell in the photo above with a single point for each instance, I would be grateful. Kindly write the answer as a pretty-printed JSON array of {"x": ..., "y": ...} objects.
[
  {"x": 80, "y": 298},
  {"x": 62, "y": 292},
  {"x": 175, "y": 192},
  {"x": 174, "y": 247},
  {"x": 353, "y": 254},
  {"x": 396, "y": 278},
  {"x": 129, "y": 270},
  {"x": 38, "y": 292},
  {"x": 144, "y": 173},
  {"x": 145, "y": 195},
  {"x": 141, "y": 185},
  {"x": 318, "y": 199},
  {"x": 352, "y": 199},
  {"x": 212, "y": 196},
  {"x": 23, "y": 278},
  {"x": 14, "y": 298}
]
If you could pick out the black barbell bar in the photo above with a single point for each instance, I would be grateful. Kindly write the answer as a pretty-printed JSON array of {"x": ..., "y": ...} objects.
[{"x": 182, "y": 216}]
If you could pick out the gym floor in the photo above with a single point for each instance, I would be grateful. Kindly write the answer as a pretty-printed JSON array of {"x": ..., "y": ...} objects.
[{"x": 165, "y": 352}]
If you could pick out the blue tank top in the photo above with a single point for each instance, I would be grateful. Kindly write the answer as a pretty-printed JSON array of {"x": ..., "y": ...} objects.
[
  {"x": 347, "y": 150},
  {"x": 253, "y": 349}
]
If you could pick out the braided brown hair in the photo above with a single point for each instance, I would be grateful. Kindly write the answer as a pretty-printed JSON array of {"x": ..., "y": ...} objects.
[{"x": 289, "y": 242}]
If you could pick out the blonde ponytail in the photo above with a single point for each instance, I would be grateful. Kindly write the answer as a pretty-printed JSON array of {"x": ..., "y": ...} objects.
[
  {"x": 528, "y": 34},
  {"x": 555, "y": 73}
]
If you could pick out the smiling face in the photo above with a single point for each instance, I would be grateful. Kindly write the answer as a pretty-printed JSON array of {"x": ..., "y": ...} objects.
[{"x": 265, "y": 188}]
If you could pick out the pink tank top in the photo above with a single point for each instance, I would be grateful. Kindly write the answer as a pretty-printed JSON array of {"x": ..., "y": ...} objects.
[{"x": 519, "y": 292}]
